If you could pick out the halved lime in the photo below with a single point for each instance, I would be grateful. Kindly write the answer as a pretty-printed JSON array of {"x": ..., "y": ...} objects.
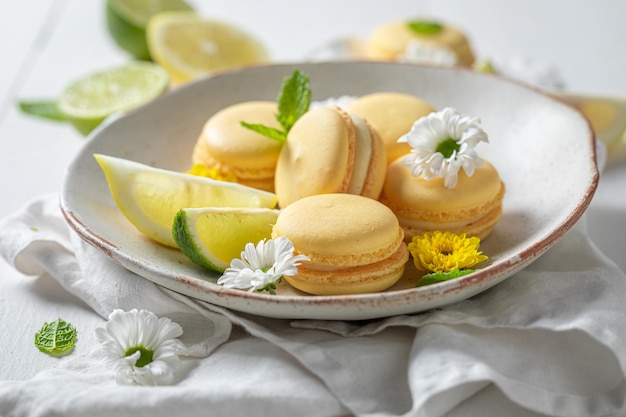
[
  {"x": 150, "y": 197},
  {"x": 88, "y": 101},
  {"x": 212, "y": 237},
  {"x": 127, "y": 21}
]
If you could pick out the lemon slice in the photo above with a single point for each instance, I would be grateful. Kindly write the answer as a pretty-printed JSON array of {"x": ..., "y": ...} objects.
[
  {"x": 127, "y": 21},
  {"x": 150, "y": 197},
  {"x": 607, "y": 115},
  {"x": 88, "y": 101},
  {"x": 189, "y": 46},
  {"x": 212, "y": 237}
]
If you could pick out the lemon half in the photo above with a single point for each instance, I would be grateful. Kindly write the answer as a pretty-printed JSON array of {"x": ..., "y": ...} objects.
[{"x": 189, "y": 46}]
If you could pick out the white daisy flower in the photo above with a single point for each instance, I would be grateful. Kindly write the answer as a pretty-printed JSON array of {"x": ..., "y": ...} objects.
[
  {"x": 260, "y": 268},
  {"x": 419, "y": 52},
  {"x": 142, "y": 348},
  {"x": 442, "y": 143}
]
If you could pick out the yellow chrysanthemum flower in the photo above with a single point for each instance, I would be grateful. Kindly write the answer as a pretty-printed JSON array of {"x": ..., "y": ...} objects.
[
  {"x": 202, "y": 171},
  {"x": 444, "y": 251}
]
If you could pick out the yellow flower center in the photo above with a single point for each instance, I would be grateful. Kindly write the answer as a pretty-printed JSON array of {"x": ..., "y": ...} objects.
[{"x": 445, "y": 251}]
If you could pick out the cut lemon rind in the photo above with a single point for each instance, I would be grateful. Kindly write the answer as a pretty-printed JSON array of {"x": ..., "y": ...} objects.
[
  {"x": 150, "y": 197},
  {"x": 212, "y": 237}
]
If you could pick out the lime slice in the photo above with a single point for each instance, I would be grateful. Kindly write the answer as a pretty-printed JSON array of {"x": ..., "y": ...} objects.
[
  {"x": 212, "y": 237},
  {"x": 127, "y": 21},
  {"x": 150, "y": 197},
  {"x": 88, "y": 101},
  {"x": 189, "y": 46}
]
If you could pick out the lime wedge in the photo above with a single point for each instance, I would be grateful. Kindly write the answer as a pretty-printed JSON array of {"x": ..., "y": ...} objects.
[
  {"x": 127, "y": 21},
  {"x": 88, "y": 101},
  {"x": 189, "y": 46},
  {"x": 150, "y": 197},
  {"x": 212, "y": 237}
]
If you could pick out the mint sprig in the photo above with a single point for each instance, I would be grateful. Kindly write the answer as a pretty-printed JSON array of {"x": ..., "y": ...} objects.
[
  {"x": 294, "y": 100},
  {"x": 56, "y": 338},
  {"x": 45, "y": 109},
  {"x": 425, "y": 27}
]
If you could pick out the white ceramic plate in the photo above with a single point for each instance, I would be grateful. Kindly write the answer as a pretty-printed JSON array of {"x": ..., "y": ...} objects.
[{"x": 543, "y": 149}]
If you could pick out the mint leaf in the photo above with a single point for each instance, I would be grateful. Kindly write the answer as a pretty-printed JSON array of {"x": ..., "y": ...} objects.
[
  {"x": 270, "y": 132},
  {"x": 56, "y": 338},
  {"x": 294, "y": 100},
  {"x": 425, "y": 27},
  {"x": 436, "y": 277},
  {"x": 46, "y": 109}
]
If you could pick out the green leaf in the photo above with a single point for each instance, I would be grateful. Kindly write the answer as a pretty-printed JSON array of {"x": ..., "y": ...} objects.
[
  {"x": 294, "y": 99},
  {"x": 56, "y": 338},
  {"x": 46, "y": 109},
  {"x": 425, "y": 27},
  {"x": 436, "y": 277},
  {"x": 270, "y": 132}
]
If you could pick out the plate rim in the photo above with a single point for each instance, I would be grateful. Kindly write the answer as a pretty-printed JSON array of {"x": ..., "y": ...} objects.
[{"x": 480, "y": 280}]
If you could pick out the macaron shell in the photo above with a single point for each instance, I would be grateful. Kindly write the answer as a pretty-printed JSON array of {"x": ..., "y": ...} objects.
[
  {"x": 391, "y": 115},
  {"x": 473, "y": 206},
  {"x": 260, "y": 178},
  {"x": 318, "y": 156},
  {"x": 388, "y": 41},
  {"x": 340, "y": 229},
  {"x": 231, "y": 144},
  {"x": 374, "y": 277}
]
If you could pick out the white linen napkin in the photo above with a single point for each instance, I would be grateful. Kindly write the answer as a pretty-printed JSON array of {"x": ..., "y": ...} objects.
[{"x": 550, "y": 339}]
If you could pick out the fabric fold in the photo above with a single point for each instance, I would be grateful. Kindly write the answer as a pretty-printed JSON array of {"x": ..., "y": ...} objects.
[{"x": 550, "y": 339}]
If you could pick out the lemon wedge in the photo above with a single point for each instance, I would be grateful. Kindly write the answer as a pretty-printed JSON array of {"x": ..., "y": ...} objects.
[
  {"x": 212, "y": 237},
  {"x": 151, "y": 197},
  {"x": 190, "y": 46}
]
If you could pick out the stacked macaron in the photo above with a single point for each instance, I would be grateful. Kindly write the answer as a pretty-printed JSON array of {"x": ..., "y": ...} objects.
[
  {"x": 442, "y": 185},
  {"x": 354, "y": 243},
  {"x": 420, "y": 41},
  {"x": 234, "y": 151},
  {"x": 391, "y": 114},
  {"x": 330, "y": 151},
  {"x": 473, "y": 206}
]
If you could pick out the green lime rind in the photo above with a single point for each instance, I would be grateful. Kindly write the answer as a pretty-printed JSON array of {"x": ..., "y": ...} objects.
[
  {"x": 45, "y": 109},
  {"x": 436, "y": 277},
  {"x": 127, "y": 36},
  {"x": 56, "y": 338},
  {"x": 127, "y": 20},
  {"x": 183, "y": 237}
]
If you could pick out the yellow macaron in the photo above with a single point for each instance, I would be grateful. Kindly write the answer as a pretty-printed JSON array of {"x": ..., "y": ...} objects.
[
  {"x": 354, "y": 243},
  {"x": 394, "y": 40},
  {"x": 391, "y": 114},
  {"x": 330, "y": 151},
  {"x": 236, "y": 151},
  {"x": 473, "y": 206}
]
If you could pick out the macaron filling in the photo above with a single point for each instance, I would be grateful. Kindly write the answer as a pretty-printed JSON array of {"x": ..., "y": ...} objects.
[{"x": 363, "y": 155}]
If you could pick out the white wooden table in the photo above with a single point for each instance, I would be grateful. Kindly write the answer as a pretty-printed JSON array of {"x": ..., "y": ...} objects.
[{"x": 45, "y": 44}]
